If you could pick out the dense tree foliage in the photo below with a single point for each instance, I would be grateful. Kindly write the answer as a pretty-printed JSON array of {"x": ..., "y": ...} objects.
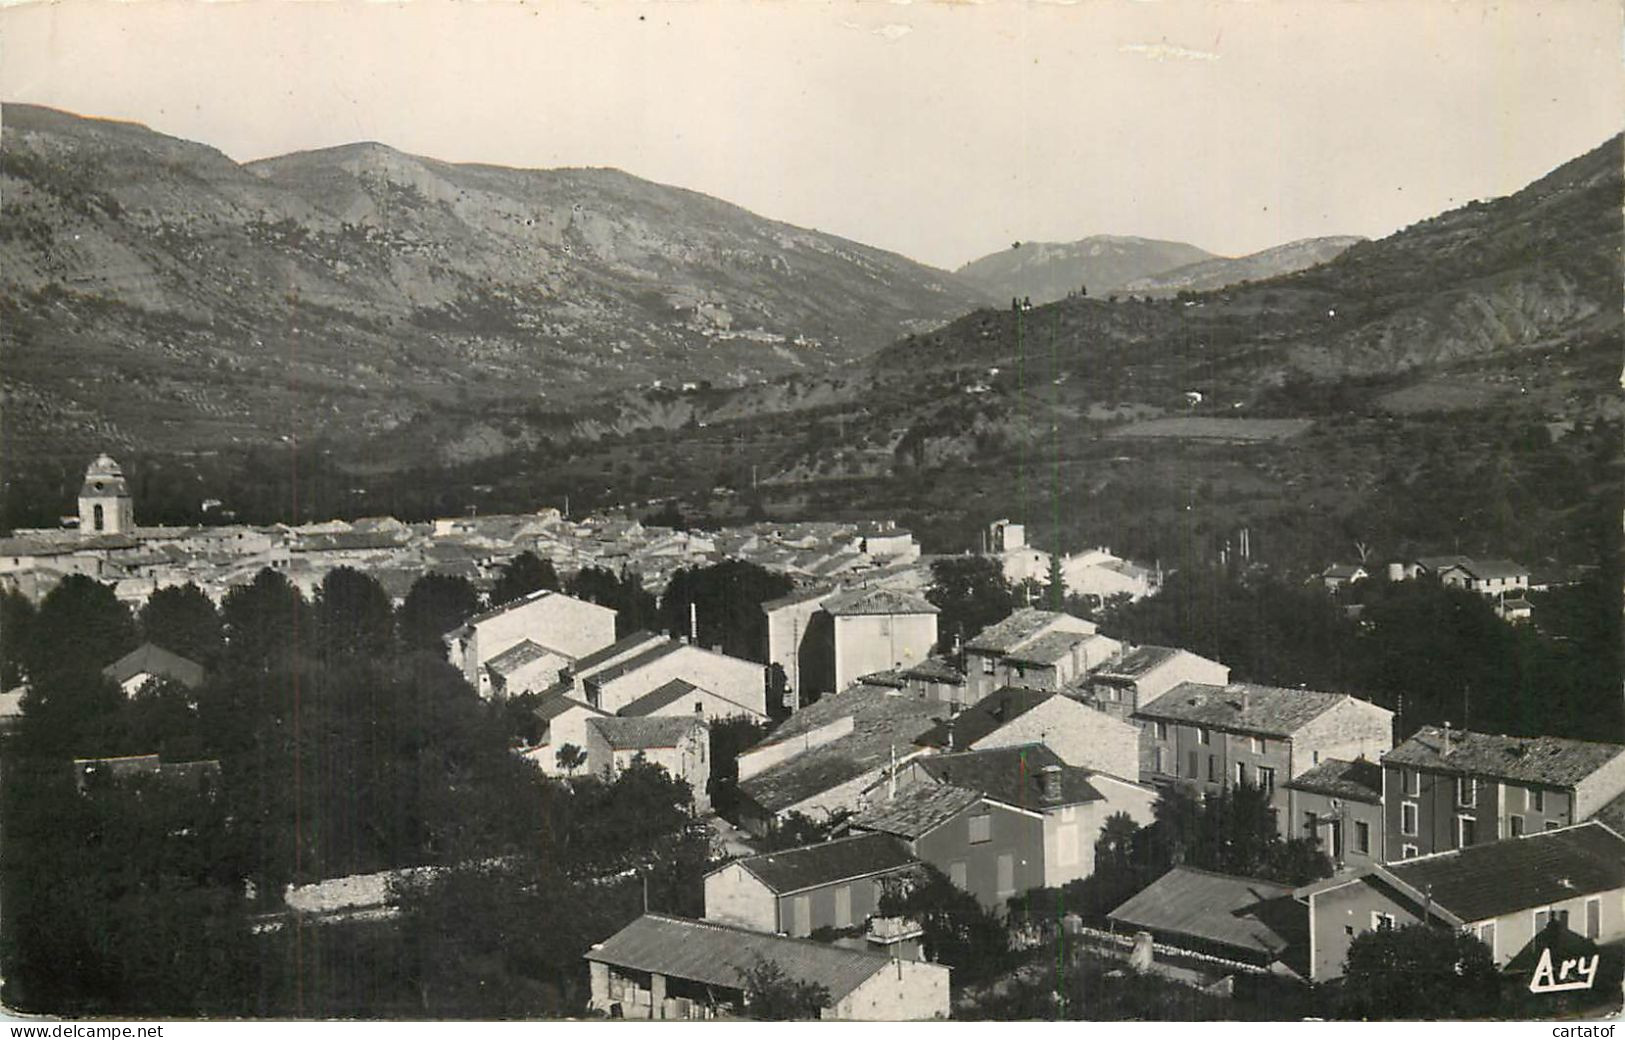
[
  {"x": 1430, "y": 652},
  {"x": 524, "y": 574},
  {"x": 80, "y": 628},
  {"x": 728, "y": 598},
  {"x": 635, "y": 607},
  {"x": 435, "y": 605},
  {"x": 1231, "y": 831},
  {"x": 972, "y": 593},
  {"x": 959, "y": 932},
  {"x": 182, "y": 619},
  {"x": 262, "y": 621},
  {"x": 16, "y": 636},
  {"x": 353, "y": 615},
  {"x": 772, "y": 995},
  {"x": 1420, "y": 971},
  {"x": 729, "y": 737}
]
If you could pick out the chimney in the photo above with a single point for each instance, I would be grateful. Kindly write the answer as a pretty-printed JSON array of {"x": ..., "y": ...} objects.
[
  {"x": 1051, "y": 777},
  {"x": 1447, "y": 736}
]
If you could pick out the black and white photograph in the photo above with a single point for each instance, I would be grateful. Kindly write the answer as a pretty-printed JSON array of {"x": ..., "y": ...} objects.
[{"x": 576, "y": 511}]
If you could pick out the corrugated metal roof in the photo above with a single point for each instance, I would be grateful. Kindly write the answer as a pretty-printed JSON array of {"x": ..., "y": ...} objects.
[
  {"x": 1541, "y": 760},
  {"x": 718, "y": 954},
  {"x": 828, "y": 863},
  {"x": 1217, "y": 908},
  {"x": 1502, "y": 877}
]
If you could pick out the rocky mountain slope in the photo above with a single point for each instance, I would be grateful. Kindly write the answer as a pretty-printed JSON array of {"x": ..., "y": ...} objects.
[
  {"x": 1222, "y": 271},
  {"x": 1049, "y": 271},
  {"x": 157, "y": 292}
]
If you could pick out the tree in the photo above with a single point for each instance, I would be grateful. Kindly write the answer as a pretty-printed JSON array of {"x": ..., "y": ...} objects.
[
  {"x": 1420, "y": 971},
  {"x": 1231, "y": 831},
  {"x": 525, "y": 574},
  {"x": 727, "y": 598},
  {"x": 570, "y": 758},
  {"x": 262, "y": 620},
  {"x": 971, "y": 593},
  {"x": 183, "y": 619},
  {"x": 1055, "y": 593},
  {"x": 798, "y": 829},
  {"x": 16, "y": 636},
  {"x": 728, "y": 738},
  {"x": 353, "y": 615},
  {"x": 436, "y": 604},
  {"x": 81, "y": 628},
  {"x": 771, "y": 995},
  {"x": 635, "y": 607},
  {"x": 959, "y": 932}
]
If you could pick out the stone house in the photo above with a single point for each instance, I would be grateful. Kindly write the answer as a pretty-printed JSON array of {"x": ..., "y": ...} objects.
[
  {"x": 563, "y": 624},
  {"x": 835, "y": 884}
]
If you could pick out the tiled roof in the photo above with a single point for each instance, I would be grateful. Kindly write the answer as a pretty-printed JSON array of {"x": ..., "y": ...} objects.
[
  {"x": 517, "y": 656},
  {"x": 633, "y": 663},
  {"x": 1048, "y": 649},
  {"x": 615, "y": 649},
  {"x": 1501, "y": 877},
  {"x": 346, "y": 541},
  {"x": 1012, "y": 775},
  {"x": 554, "y": 706},
  {"x": 1137, "y": 663},
  {"x": 1245, "y": 707},
  {"x": 1217, "y": 908},
  {"x": 916, "y": 811},
  {"x": 881, "y": 720},
  {"x": 1360, "y": 781},
  {"x": 935, "y": 669},
  {"x": 828, "y": 863},
  {"x": 1484, "y": 569},
  {"x": 655, "y": 731},
  {"x": 1016, "y": 629},
  {"x": 1610, "y": 815},
  {"x": 984, "y": 717},
  {"x": 801, "y": 595},
  {"x": 879, "y": 601},
  {"x": 1539, "y": 760},
  {"x": 719, "y": 955},
  {"x": 155, "y": 660}
]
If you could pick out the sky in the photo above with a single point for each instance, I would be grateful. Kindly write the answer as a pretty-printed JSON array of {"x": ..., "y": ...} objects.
[{"x": 941, "y": 130}]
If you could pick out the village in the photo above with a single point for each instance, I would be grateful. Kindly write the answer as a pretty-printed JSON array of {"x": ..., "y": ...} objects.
[{"x": 885, "y": 756}]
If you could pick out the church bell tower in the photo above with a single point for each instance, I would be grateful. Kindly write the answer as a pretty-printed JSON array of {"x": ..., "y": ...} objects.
[{"x": 105, "y": 506}]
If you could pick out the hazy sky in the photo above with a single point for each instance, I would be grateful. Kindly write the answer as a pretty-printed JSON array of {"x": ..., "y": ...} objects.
[{"x": 941, "y": 130}]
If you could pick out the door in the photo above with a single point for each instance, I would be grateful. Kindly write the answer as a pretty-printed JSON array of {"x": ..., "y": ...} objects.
[
  {"x": 800, "y": 916},
  {"x": 843, "y": 906},
  {"x": 1337, "y": 840},
  {"x": 1007, "y": 874}
]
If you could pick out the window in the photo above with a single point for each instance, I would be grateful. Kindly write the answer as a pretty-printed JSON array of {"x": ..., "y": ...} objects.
[
  {"x": 987, "y": 666},
  {"x": 1260, "y": 746},
  {"x": 1275, "y": 821},
  {"x": 1407, "y": 852},
  {"x": 98, "y": 516},
  {"x": 981, "y": 828},
  {"x": 1310, "y": 822},
  {"x": 1407, "y": 818},
  {"x": 1241, "y": 774},
  {"x": 956, "y": 874},
  {"x": 1193, "y": 762},
  {"x": 1213, "y": 769},
  {"x": 1466, "y": 831},
  {"x": 1348, "y": 929},
  {"x": 1516, "y": 798},
  {"x": 1413, "y": 781},
  {"x": 1466, "y": 791},
  {"x": 1314, "y": 758},
  {"x": 1204, "y": 734},
  {"x": 843, "y": 906},
  {"x": 1162, "y": 731},
  {"x": 1486, "y": 935},
  {"x": 1381, "y": 920},
  {"x": 1007, "y": 875},
  {"x": 1553, "y": 825},
  {"x": 1593, "y": 918},
  {"x": 1544, "y": 917},
  {"x": 1162, "y": 759},
  {"x": 1537, "y": 800},
  {"x": 1362, "y": 836},
  {"x": 800, "y": 916},
  {"x": 1266, "y": 779},
  {"x": 1515, "y": 826}
]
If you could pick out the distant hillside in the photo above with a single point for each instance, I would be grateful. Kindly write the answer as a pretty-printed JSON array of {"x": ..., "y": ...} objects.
[
  {"x": 156, "y": 292},
  {"x": 1221, "y": 271},
  {"x": 1048, "y": 271}
]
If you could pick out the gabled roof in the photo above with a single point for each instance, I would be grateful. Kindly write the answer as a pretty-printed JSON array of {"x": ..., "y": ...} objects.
[
  {"x": 554, "y": 706},
  {"x": 1136, "y": 664},
  {"x": 1240, "y": 912},
  {"x": 615, "y": 649},
  {"x": 1050, "y": 648},
  {"x": 1487, "y": 569},
  {"x": 1555, "y": 761},
  {"x": 984, "y": 717},
  {"x": 917, "y": 811},
  {"x": 654, "y": 731},
  {"x": 639, "y": 660},
  {"x": 1012, "y": 776},
  {"x": 828, "y": 863},
  {"x": 719, "y": 954},
  {"x": 878, "y": 601},
  {"x": 1271, "y": 711},
  {"x": 1488, "y": 880},
  {"x": 1360, "y": 781},
  {"x": 801, "y": 595},
  {"x": 1019, "y": 627},
  {"x": 935, "y": 669},
  {"x": 155, "y": 660},
  {"x": 519, "y": 655}
]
